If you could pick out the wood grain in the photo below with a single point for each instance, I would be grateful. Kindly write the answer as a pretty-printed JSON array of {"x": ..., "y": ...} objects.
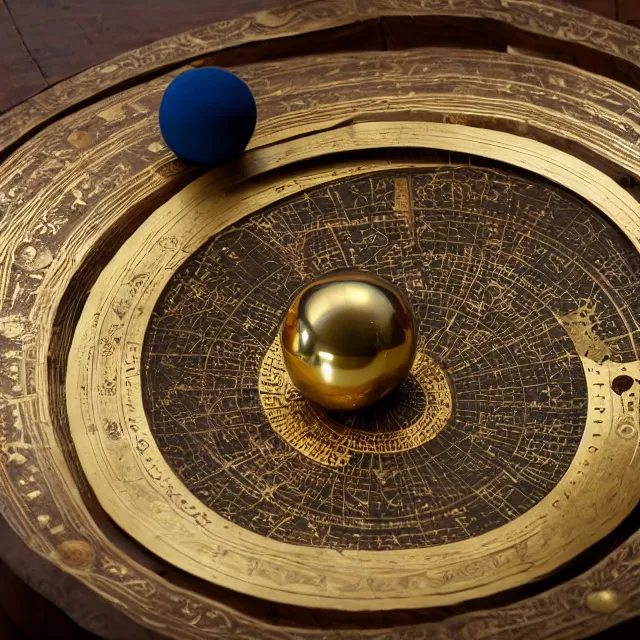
[
  {"x": 68, "y": 36},
  {"x": 19, "y": 73}
]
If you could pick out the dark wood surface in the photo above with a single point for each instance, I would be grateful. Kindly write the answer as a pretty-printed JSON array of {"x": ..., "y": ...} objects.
[
  {"x": 45, "y": 41},
  {"x": 20, "y": 77},
  {"x": 65, "y": 36},
  {"x": 25, "y": 614},
  {"x": 29, "y": 584},
  {"x": 629, "y": 12},
  {"x": 606, "y": 8}
]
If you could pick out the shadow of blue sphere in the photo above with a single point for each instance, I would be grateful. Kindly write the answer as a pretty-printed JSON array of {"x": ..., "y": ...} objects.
[{"x": 207, "y": 115}]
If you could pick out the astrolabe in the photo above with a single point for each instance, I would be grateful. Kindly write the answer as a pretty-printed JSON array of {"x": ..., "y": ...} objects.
[
  {"x": 484, "y": 438},
  {"x": 507, "y": 454}
]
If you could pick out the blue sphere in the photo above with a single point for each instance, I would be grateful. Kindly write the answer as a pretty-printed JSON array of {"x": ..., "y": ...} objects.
[{"x": 207, "y": 115}]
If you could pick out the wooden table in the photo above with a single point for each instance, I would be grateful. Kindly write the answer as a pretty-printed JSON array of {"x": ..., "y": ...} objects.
[
  {"x": 42, "y": 43},
  {"x": 161, "y": 477}
]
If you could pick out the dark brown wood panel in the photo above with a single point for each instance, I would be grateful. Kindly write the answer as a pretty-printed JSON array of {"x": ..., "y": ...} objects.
[
  {"x": 67, "y": 36},
  {"x": 605, "y": 8},
  {"x": 629, "y": 12},
  {"x": 63, "y": 37},
  {"x": 20, "y": 77},
  {"x": 8, "y": 630},
  {"x": 25, "y": 614},
  {"x": 407, "y": 32}
]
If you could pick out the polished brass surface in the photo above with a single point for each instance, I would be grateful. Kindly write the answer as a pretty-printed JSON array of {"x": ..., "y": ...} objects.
[
  {"x": 314, "y": 432},
  {"x": 605, "y": 601},
  {"x": 348, "y": 339}
]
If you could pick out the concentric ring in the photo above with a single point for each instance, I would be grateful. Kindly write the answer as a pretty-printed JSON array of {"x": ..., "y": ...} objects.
[{"x": 324, "y": 577}]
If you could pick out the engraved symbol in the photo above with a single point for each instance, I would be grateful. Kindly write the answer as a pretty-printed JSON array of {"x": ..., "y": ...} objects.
[
  {"x": 316, "y": 434},
  {"x": 626, "y": 429},
  {"x": 112, "y": 429}
]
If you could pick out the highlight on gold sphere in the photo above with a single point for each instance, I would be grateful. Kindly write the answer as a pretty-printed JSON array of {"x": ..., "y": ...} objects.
[{"x": 348, "y": 339}]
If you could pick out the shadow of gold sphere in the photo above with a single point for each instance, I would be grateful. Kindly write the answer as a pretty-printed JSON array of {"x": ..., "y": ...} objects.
[{"x": 348, "y": 339}]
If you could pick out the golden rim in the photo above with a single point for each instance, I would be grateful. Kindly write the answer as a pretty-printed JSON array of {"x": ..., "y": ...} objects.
[{"x": 595, "y": 494}]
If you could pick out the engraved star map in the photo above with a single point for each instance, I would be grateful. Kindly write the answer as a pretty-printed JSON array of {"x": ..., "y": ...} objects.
[{"x": 512, "y": 280}]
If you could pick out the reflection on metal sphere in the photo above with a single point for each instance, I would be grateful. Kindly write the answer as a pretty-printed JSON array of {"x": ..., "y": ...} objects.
[{"x": 348, "y": 339}]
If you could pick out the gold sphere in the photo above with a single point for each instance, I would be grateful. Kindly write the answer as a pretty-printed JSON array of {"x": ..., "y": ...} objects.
[
  {"x": 348, "y": 339},
  {"x": 605, "y": 601}
]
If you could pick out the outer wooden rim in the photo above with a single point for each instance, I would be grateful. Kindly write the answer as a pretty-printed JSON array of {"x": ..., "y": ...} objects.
[
  {"x": 548, "y": 18},
  {"x": 539, "y": 541},
  {"x": 107, "y": 570}
]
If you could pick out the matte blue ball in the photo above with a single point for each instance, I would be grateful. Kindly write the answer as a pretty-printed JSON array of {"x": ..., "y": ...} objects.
[{"x": 207, "y": 115}]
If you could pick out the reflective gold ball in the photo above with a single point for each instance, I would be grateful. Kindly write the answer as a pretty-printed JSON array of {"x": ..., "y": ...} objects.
[{"x": 348, "y": 339}]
